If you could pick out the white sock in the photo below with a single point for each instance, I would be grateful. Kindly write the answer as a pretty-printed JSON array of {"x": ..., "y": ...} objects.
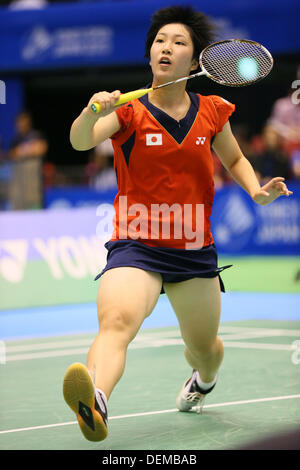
[
  {"x": 205, "y": 385},
  {"x": 92, "y": 374},
  {"x": 103, "y": 396}
]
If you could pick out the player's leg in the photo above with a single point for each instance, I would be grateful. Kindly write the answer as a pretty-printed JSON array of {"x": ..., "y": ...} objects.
[
  {"x": 197, "y": 304},
  {"x": 126, "y": 296}
]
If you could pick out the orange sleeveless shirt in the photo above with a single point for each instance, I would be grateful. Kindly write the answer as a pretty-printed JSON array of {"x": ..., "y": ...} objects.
[{"x": 165, "y": 172}]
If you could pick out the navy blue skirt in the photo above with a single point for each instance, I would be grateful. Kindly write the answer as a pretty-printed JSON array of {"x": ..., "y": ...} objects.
[{"x": 174, "y": 265}]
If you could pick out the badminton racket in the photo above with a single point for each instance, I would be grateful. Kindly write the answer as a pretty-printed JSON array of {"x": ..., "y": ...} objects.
[{"x": 233, "y": 62}]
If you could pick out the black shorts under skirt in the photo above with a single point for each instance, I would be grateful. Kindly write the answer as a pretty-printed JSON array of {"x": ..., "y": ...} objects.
[{"x": 174, "y": 265}]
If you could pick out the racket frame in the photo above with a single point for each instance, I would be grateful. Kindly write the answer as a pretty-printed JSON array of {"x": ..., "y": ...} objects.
[
  {"x": 96, "y": 107},
  {"x": 222, "y": 82}
]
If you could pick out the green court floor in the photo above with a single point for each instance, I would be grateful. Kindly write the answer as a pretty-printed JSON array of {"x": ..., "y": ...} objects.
[
  {"x": 258, "y": 391},
  {"x": 262, "y": 273}
]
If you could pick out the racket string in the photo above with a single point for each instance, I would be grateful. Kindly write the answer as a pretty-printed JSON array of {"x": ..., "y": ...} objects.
[
  {"x": 233, "y": 62},
  {"x": 236, "y": 62}
]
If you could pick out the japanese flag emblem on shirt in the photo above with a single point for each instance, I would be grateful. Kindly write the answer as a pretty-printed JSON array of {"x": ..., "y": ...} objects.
[{"x": 153, "y": 139}]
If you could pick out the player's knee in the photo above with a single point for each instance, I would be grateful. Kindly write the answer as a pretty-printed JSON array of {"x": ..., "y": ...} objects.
[
  {"x": 205, "y": 348},
  {"x": 115, "y": 320}
]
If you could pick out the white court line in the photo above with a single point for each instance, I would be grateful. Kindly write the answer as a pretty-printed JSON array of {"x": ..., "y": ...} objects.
[
  {"x": 237, "y": 333},
  {"x": 145, "y": 339},
  {"x": 150, "y": 340},
  {"x": 269, "y": 331},
  {"x": 271, "y": 347},
  {"x": 148, "y": 413},
  {"x": 11, "y": 346},
  {"x": 157, "y": 343}
]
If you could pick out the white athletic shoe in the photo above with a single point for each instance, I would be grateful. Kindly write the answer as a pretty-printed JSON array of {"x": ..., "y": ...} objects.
[{"x": 191, "y": 395}]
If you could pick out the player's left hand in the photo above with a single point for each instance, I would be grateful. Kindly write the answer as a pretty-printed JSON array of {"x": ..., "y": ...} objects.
[{"x": 271, "y": 191}]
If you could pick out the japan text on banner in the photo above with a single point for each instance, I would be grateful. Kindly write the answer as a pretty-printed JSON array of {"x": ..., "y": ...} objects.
[{"x": 240, "y": 226}]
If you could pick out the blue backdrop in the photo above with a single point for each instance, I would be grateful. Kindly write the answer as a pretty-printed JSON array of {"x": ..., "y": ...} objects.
[
  {"x": 240, "y": 226},
  {"x": 113, "y": 33}
]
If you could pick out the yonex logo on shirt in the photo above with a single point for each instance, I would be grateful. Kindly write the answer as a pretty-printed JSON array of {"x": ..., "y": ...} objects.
[
  {"x": 200, "y": 140},
  {"x": 153, "y": 139}
]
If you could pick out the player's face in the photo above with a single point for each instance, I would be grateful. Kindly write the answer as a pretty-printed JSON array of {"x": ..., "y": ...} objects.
[{"x": 171, "y": 54}]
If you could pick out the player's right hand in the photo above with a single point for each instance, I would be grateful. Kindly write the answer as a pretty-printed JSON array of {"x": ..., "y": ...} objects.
[{"x": 107, "y": 102}]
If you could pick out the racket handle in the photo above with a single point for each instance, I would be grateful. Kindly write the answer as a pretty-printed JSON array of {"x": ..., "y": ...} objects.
[{"x": 124, "y": 98}]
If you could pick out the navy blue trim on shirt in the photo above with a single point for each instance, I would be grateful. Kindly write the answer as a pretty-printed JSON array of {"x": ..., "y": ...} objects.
[
  {"x": 177, "y": 129},
  {"x": 128, "y": 146}
]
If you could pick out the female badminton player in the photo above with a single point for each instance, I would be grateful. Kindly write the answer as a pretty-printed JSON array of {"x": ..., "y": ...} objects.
[{"x": 162, "y": 242}]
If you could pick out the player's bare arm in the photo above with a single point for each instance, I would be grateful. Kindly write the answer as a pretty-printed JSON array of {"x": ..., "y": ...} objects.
[
  {"x": 232, "y": 158},
  {"x": 90, "y": 129}
]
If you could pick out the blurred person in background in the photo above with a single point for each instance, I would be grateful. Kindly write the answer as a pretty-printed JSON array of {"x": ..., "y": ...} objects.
[
  {"x": 272, "y": 160},
  {"x": 285, "y": 117},
  {"x": 27, "y": 151},
  {"x": 100, "y": 171}
]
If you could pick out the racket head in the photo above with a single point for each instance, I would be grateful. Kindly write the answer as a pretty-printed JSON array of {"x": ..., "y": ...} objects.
[{"x": 236, "y": 62}]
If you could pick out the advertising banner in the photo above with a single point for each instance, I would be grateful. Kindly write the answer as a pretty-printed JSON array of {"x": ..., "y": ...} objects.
[
  {"x": 240, "y": 226},
  {"x": 114, "y": 33},
  {"x": 51, "y": 257}
]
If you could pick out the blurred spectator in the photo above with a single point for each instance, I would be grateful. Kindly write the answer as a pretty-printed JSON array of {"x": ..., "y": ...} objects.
[
  {"x": 285, "y": 118},
  {"x": 27, "y": 151},
  {"x": 273, "y": 160},
  {"x": 100, "y": 170}
]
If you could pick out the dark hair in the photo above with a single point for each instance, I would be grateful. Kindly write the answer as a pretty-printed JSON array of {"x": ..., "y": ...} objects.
[{"x": 200, "y": 27}]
